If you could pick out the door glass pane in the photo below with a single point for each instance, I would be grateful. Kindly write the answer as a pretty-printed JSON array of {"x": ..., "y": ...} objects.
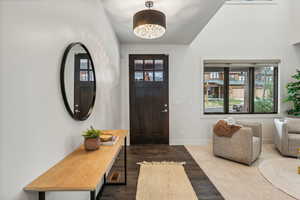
[
  {"x": 214, "y": 92},
  {"x": 138, "y": 76},
  {"x": 138, "y": 64},
  {"x": 148, "y": 76},
  {"x": 91, "y": 76},
  {"x": 90, "y": 64},
  {"x": 84, "y": 76},
  {"x": 159, "y": 64},
  {"x": 159, "y": 76},
  {"x": 148, "y": 65},
  {"x": 84, "y": 63},
  {"x": 264, "y": 90},
  {"x": 238, "y": 90}
]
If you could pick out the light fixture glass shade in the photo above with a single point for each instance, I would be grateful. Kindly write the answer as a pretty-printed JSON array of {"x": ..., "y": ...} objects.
[
  {"x": 149, "y": 31},
  {"x": 149, "y": 24}
]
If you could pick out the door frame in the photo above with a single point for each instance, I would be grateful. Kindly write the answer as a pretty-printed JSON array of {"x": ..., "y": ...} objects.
[{"x": 165, "y": 57}]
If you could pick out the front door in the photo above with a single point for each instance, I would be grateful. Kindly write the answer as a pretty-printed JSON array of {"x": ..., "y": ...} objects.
[
  {"x": 149, "y": 99},
  {"x": 83, "y": 85}
]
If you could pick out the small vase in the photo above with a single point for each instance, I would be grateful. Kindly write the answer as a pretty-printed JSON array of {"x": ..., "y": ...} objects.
[{"x": 91, "y": 144}]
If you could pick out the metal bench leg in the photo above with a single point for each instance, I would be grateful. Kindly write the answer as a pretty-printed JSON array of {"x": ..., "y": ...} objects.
[
  {"x": 125, "y": 168},
  {"x": 93, "y": 195},
  {"x": 125, "y": 159},
  {"x": 106, "y": 183},
  {"x": 42, "y": 196}
]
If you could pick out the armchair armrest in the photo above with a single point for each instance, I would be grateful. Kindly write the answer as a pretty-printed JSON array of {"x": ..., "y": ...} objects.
[
  {"x": 281, "y": 128},
  {"x": 281, "y": 136},
  {"x": 256, "y": 127}
]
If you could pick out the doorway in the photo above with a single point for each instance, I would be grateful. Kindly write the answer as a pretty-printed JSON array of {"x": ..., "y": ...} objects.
[{"x": 149, "y": 99}]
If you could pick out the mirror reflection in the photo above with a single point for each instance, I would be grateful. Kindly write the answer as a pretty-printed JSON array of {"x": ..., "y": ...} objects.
[{"x": 78, "y": 81}]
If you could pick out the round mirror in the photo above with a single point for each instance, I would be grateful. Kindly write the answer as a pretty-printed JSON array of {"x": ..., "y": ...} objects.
[{"x": 78, "y": 81}]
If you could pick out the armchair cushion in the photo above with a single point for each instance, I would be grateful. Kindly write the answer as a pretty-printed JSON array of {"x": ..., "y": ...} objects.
[
  {"x": 294, "y": 143},
  {"x": 293, "y": 125},
  {"x": 242, "y": 147}
]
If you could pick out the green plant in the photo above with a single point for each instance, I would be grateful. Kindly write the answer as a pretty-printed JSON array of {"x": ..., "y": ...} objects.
[
  {"x": 263, "y": 105},
  {"x": 91, "y": 133},
  {"x": 293, "y": 89}
]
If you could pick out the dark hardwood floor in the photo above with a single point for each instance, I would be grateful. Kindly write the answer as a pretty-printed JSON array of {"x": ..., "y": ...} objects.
[{"x": 202, "y": 185}]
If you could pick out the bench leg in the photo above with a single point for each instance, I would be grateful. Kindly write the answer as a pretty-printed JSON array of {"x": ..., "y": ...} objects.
[
  {"x": 42, "y": 196},
  {"x": 125, "y": 168},
  {"x": 125, "y": 159},
  {"x": 93, "y": 195}
]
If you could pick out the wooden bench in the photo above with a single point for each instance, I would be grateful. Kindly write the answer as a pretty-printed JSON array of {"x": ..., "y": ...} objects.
[{"x": 82, "y": 170}]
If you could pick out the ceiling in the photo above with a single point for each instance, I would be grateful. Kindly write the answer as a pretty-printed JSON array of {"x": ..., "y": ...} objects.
[{"x": 185, "y": 18}]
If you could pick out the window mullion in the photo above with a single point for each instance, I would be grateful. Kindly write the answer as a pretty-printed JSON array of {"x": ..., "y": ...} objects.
[
  {"x": 226, "y": 90},
  {"x": 251, "y": 89},
  {"x": 275, "y": 88}
]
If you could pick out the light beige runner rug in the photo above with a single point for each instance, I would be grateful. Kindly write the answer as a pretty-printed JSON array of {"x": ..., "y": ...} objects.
[{"x": 164, "y": 181}]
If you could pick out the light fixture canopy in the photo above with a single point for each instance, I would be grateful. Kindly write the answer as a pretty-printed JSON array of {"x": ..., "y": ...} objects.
[{"x": 149, "y": 24}]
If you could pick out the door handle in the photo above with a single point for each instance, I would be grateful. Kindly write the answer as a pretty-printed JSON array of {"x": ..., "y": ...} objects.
[{"x": 165, "y": 110}]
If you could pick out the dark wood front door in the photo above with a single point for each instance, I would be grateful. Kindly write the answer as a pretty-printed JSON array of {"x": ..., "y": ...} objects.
[
  {"x": 83, "y": 85},
  {"x": 149, "y": 99}
]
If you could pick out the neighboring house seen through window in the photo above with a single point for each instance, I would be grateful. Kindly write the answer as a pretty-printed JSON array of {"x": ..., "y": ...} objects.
[{"x": 240, "y": 88}]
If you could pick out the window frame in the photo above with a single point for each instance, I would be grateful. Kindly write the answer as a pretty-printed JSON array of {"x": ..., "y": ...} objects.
[{"x": 251, "y": 91}]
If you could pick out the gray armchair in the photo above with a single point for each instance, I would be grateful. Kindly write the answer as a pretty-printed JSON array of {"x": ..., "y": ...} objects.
[
  {"x": 244, "y": 146},
  {"x": 287, "y": 136}
]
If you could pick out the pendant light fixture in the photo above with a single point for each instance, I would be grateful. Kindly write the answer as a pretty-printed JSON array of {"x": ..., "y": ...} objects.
[{"x": 149, "y": 23}]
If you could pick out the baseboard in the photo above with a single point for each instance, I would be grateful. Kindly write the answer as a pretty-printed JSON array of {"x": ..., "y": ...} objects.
[
  {"x": 197, "y": 141},
  {"x": 190, "y": 141},
  {"x": 268, "y": 141}
]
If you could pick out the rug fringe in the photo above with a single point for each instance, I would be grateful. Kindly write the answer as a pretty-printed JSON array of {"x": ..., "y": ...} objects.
[{"x": 161, "y": 163}]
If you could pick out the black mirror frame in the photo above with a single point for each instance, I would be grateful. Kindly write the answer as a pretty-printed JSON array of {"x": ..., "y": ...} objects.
[{"x": 62, "y": 81}]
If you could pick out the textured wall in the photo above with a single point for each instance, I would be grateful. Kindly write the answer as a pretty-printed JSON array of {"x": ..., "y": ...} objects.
[
  {"x": 295, "y": 14},
  {"x": 36, "y": 130}
]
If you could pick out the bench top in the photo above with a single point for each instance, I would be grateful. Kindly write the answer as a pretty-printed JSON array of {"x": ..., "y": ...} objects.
[{"x": 81, "y": 170}]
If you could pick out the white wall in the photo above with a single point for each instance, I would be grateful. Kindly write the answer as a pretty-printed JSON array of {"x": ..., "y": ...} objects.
[
  {"x": 295, "y": 14},
  {"x": 36, "y": 131},
  {"x": 239, "y": 31}
]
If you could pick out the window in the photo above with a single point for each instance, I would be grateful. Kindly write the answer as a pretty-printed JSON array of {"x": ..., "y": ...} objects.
[
  {"x": 214, "y": 91},
  {"x": 240, "y": 87},
  {"x": 238, "y": 90},
  {"x": 214, "y": 75},
  {"x": 149, "y": 70},
  {"x": 86, "y": 71},
  {"x": 264, "y": 89}
]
